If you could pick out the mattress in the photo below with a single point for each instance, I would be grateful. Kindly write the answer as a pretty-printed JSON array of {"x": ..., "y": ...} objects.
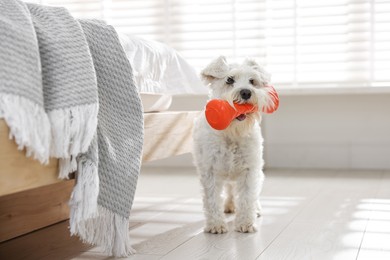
[{"x": 155, "y": 102}]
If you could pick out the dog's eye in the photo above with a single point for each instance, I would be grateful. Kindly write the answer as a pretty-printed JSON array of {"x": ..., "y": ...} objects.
[
  {"x": 230, "y": 80},
  {"x": 252, "y": 81}
]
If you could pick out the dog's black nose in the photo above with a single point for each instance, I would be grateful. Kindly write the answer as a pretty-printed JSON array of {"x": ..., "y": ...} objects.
[{"x": 245, "y": 94}]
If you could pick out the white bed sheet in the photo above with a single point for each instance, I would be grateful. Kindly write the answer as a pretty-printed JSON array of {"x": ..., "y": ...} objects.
[{"x": 159, "y": 68}]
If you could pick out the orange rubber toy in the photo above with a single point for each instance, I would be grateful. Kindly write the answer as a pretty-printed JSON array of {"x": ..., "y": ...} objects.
[{"x": 219, "y": 113}]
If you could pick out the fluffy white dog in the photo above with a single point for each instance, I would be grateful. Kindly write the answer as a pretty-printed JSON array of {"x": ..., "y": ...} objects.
[{"x": 231, "y": 160}]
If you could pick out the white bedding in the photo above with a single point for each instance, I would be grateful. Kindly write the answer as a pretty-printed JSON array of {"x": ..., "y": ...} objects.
[{"x": 159, "y": 68}]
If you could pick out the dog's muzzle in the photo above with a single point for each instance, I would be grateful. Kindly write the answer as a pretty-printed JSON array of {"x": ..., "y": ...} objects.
[{"x": 245, "y": 94}]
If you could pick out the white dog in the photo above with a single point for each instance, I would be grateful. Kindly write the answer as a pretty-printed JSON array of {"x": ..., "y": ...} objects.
[{"x": 232, "y": 159}]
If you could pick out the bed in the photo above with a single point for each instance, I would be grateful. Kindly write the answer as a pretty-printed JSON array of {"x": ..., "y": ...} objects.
[
  {"x": 32, "y": 196},
  {"x": 161, "y": 73}
]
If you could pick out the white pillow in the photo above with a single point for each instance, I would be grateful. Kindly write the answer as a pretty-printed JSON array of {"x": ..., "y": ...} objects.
[{"x": 159, "y": 68}]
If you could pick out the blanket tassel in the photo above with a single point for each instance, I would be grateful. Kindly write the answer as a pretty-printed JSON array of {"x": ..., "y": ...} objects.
[
  {"x": 95, "y": 224},
  {"x": 28, "y": 124}
]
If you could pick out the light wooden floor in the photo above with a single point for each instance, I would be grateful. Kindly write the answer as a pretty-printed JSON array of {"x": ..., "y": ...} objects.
[{"x": 308, "y": 214}]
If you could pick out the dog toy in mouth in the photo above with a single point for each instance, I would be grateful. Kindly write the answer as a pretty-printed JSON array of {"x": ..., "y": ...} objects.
[
  {"x": 219, "y": 113},
  {"x": 275, "y": 100}
]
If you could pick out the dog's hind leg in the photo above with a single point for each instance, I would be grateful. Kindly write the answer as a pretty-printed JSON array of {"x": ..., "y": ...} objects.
[
  {"x": 258, "y": 208},
  {"x": 213, "y": 204},
  {"x": 229, "y": 202}
]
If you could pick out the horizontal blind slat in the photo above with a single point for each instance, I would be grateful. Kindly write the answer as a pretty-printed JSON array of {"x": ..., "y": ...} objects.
[{"x": 322, "y": 42}]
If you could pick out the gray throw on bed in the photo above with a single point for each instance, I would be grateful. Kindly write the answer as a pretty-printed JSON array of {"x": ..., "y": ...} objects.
[{"x": 67, "y": 91}]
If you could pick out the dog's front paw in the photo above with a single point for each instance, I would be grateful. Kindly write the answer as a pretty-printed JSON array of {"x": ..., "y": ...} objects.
[
  {"x": 216, "y": 228},
  {"x": 246, "y": 227}
]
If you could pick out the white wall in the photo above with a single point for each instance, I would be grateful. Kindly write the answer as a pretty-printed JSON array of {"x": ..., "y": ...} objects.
[
  {"x": 337, "y": 131},
  {"x": 345, "y": 131}
]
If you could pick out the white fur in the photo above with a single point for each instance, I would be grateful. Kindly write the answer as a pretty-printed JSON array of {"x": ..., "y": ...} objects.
[{"x": 232, "y": 159}]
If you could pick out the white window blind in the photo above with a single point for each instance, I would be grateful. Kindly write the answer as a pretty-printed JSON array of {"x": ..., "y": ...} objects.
[{"x": 301, "y": 42}]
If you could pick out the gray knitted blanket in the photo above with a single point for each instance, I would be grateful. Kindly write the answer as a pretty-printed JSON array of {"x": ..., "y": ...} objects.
[{"x": 66, "y": 91}]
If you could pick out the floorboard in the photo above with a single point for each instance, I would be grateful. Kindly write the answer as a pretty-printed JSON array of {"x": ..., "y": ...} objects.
[
  {"x": 307, "y": 214},
  {"x": 376, "y": 241}
]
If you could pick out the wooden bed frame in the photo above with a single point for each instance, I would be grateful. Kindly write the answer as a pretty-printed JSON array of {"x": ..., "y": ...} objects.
[{"x": 31, "y": 195}]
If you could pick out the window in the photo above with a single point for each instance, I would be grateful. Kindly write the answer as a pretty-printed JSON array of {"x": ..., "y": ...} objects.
[{"x": 335, "y": 43}]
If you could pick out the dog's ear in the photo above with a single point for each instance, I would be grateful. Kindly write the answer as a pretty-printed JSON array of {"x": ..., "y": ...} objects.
[
  {"x": 252, "y": 63},
  {"x": 264, "y": 75},
  {"x": 217, "y": 69}
]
